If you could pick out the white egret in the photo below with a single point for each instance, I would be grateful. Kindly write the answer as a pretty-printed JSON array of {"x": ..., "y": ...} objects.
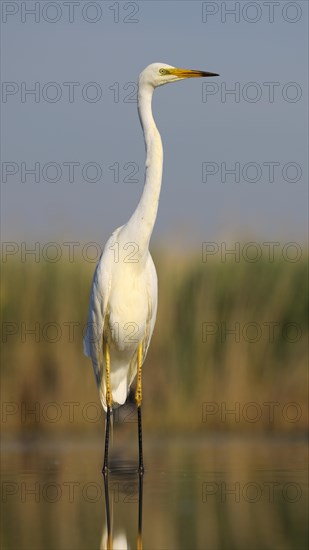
[{"x": 123, "y": 302}]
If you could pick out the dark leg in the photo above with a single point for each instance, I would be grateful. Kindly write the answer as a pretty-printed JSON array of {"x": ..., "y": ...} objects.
[
  {"x": 108, "y": 417},
  {"x": 108, "y": 516},
  {"x": 140, "y": 440},
  {"x": 140, "y": 512}
]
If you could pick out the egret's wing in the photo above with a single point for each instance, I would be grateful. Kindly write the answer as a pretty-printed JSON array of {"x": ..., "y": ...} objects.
[
  {"x": 99, "y": 296},
  {"x": 96, "y": 315},
  {"x": 152, "y": 291}
]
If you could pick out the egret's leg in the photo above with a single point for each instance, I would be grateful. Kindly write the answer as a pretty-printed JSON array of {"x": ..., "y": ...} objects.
[
  {"x": 140, "y": 512},
  {"x": 138, "y": 399},
  {"x": 108, "y": 516},
  {"x": 109, "y": 400},
  {"x": 109, "y": 403},
  {"x": 107, "y": 428}
]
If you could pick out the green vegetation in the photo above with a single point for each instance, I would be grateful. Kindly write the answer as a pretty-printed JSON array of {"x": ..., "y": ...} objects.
[{"x": 227, "y": 335}]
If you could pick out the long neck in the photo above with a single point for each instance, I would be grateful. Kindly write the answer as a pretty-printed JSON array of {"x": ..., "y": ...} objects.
[{"x": 140, "y": 226}]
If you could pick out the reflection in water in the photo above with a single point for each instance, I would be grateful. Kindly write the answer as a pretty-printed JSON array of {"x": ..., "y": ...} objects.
[
  {"x": 119, "y": 540},
  {"x": 218, "y": 493}
]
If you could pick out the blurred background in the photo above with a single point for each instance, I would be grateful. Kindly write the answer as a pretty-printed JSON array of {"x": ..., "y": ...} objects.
[
  {"x": 225, "y": 380},
  {"x": 227, "y": 335}
]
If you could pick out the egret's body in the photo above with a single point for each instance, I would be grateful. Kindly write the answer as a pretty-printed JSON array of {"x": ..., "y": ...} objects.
[
  {"x": 123, "y": 301},
  {"x": 122, "y": 309}
]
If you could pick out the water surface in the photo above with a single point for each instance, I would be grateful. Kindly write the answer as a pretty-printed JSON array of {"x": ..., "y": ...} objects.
[{"x": 199, "y": 493}]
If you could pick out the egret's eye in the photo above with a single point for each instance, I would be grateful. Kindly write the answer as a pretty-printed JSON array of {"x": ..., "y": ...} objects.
[{"x": 163, "y": 71}]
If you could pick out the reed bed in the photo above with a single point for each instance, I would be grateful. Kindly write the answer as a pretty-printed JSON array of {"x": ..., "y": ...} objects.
[{"x": 228, "y": 353}]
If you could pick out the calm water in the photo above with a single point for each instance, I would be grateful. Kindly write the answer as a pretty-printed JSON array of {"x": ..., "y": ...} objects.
[{"x": 198, "y": 493}]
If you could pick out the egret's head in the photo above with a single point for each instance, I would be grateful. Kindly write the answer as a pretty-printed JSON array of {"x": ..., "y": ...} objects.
[{"x": 158, "y": 74}]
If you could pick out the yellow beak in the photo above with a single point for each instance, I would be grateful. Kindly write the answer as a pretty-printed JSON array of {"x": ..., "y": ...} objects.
[{"x": 188, "y": 73}]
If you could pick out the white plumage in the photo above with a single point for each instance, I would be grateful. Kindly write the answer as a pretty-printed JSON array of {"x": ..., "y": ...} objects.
[
  {"x": 123, "y": 303},
  {"x": 123, "y": 307}
]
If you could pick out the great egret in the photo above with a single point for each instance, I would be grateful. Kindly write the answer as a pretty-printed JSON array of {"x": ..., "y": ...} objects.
[{"x": 123, "y": 302}]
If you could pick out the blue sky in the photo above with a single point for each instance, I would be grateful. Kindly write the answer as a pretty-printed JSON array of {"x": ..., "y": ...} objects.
[{"x": 107, "y": 134}]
